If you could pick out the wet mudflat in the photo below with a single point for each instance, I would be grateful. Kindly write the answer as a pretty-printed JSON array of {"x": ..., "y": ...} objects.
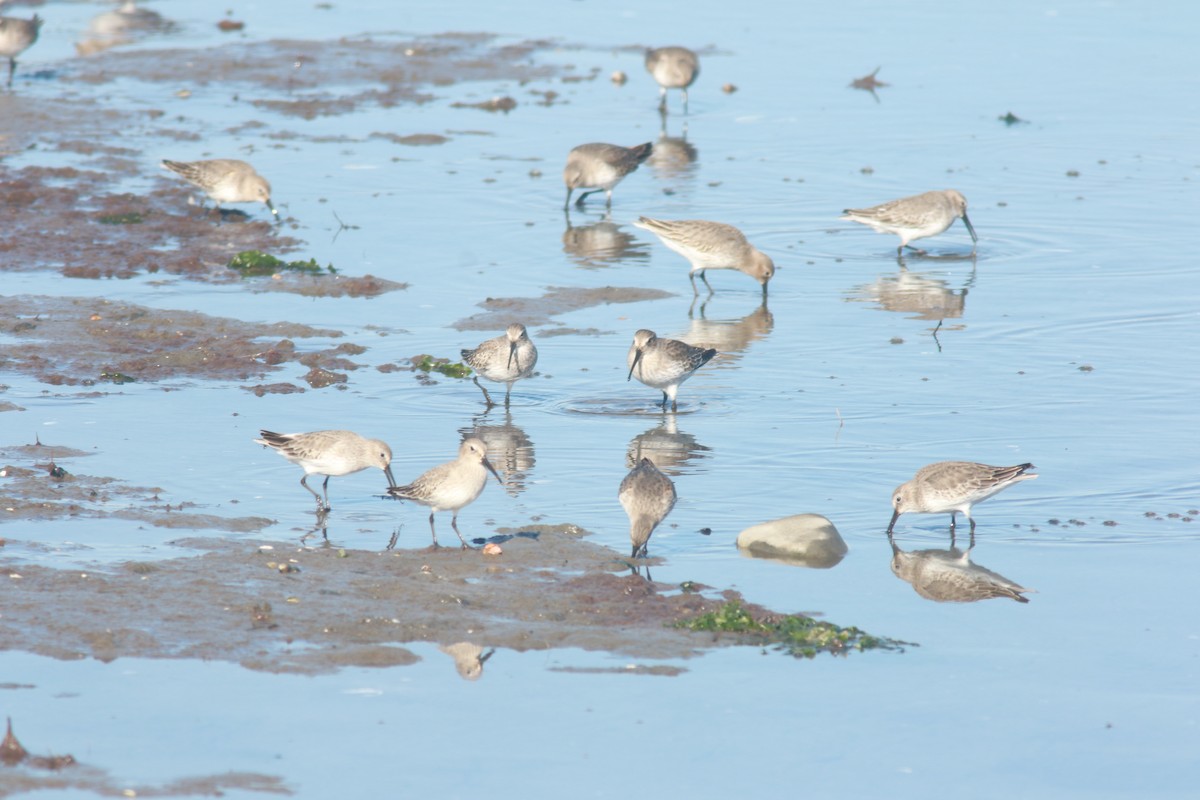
[{"x": 174, "y": 581}]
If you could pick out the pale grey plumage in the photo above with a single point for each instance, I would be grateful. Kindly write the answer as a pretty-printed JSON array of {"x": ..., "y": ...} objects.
[
  {"x": 225, "y": 180},
  {"x": 952, "y": 487},
  {"x": 451, "y": 486},
  {"x": 711, "y": 245},
  {"x": 598, "y": 167},
  {"x": 16, "y": 36},
  {"x": 505, "y": 359},
  {"x": 673, "y": 68},
  {"x": 663, "y": 364},
  {"x": 647, "y": 495},
  {"x": 329, "y": 453},
  {"x": 916, "y": 217}
]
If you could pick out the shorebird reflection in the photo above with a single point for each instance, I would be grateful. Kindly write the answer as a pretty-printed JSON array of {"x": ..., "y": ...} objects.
[
  {"x": 601, "y": 244},
  {"x": 948, "y": 576},
  {"x": 468, "y": 659},
  {"x": 509, "y": 448},
  {"x": 669, "y": 449}
]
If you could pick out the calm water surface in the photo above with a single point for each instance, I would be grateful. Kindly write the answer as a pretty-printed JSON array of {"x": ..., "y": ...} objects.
[{"x": 1070, "y": 341}]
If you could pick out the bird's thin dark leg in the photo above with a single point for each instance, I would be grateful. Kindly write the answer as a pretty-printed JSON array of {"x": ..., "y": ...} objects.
[
  {"x": 431, "y": 530},
  {"x": 704, "y": 278},
  {"x": 325, "y": 490},
  {"x": 454, "y": 524},
  {"x": 486, "y": 397},
  {"x": 695, "y": 291},
  {"x": 320, "y": 506}
]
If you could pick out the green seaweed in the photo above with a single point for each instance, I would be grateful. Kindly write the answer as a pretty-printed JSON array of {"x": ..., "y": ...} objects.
[
  {"x": 795, "y": 634},
  {"x": 254, "y": 263},
  {"x": 117, "y": 377},
  {"x": 129, "y": 218},
  {"x": 451, "y": 369}
]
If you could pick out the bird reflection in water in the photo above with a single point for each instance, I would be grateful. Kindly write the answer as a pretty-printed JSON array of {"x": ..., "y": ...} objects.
[
  {"x": 601, "y": 244},
  {"x": 729, "y": 337},
  {"x": 670, "y": 450},
  {"x": 121, "y": 26},
  {"x": 673, "y": 157},
  {"x": 468, "y": 659},
  {"x": 508, "y": 447},
  {"x": 917, "y": 293},
  {"x": 948, "y": 576}
]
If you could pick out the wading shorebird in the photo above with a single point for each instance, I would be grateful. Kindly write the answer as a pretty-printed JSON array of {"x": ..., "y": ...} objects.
[
  {"x": 952, "y": 487},
  {"x": 663, "y": 364},
  {"x": 598, "y": 167},
  {"x": 225, "y": 180},
  {"x": 451, "y": 486},
  {"x": 916, "y": 217},
  {"x": 329, "y": 453},
  {"x": 505, "y": 359},
  {"x": 647, "y": 495},
  {"x": 672, "y": 68},
  {"x": 711, "y": 245},
  {"x": 16, "y": 36}
]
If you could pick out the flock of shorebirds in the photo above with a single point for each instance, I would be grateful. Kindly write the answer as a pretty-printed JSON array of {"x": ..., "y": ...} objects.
[{"x": 646, "y": 493}]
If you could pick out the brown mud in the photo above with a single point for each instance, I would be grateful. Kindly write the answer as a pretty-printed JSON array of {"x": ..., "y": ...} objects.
[{"x": 304, "y": 607}]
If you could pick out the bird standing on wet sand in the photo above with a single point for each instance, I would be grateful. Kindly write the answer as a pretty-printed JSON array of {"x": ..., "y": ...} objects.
[
  {"x": 711, "y": 245},
  {"x": 16, "y": 36},
  {"x": 225, "y": 180},
  {"x": 451, "y": 486},
  {"x": 505, "y": 359},
  {"x": 916, "y": 217},
  {"x": 598, "y": 167},
  {"x": 663, "y": 364},
  {"x": 953, "y": 486},
  {"x": 672, "y": 68},
  {"x": 647, "y": 495},
  {"x": 329, "y": 453}
]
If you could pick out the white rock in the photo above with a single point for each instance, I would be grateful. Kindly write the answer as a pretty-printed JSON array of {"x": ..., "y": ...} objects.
[{"x": 810, "y": 540}]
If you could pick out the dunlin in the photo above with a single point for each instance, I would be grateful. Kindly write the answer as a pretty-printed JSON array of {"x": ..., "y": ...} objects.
[
  {"x": 451, "y": 486},
  {"x": 17, "y": 36},
  {"x": 954, "y": 486},
  {"x": 505, "y": 359},
  {"x": 711, "y": 245},
  {"x": 672, "y": 68},
  {"x": 664, "y": 363},
  {"x": 916, "y": 217},
  {"x": 225, "y": 180},
  {"x": 598, "y": 167},
  {"x": 647, "y": 495},
  {"x": 329, "y": 453}
]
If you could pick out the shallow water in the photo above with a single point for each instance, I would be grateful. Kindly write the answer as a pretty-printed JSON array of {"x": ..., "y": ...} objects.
[{"x": 1069, "y": 341}]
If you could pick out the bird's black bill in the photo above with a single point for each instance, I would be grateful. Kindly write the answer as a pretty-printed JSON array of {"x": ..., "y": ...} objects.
[{"x": 970, "y": 228}]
